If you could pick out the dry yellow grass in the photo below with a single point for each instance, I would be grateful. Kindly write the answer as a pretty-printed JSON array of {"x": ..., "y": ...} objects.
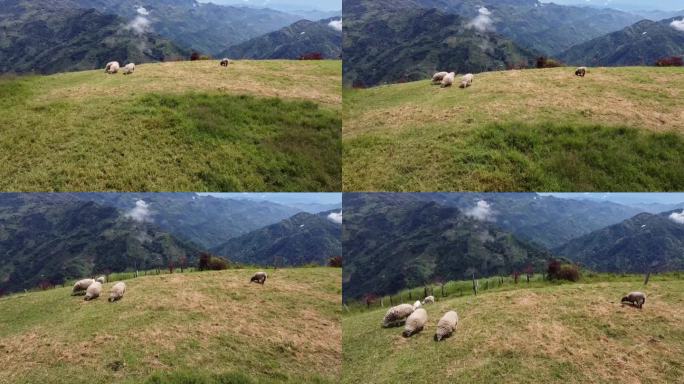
[{"x": 210, "y": 322}]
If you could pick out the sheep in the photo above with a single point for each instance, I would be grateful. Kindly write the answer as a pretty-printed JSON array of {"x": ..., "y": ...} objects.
[
  {"x": 397, "y": 315},
  {"x": 117, "y": 291},
  {"x": 437, "y": 77},
  {"x": 112, "y": 67},
  {"x": 636, "y": 299},
  {"x": 415, "y": 322},
  {"x": 416, "y": 305},
  {"x": 581, "y": 71},
  {"x": 448, "y": 80},
  {"x": 466, "y": 81},
  {"x": 101, "y": 279},
  {"x": 81, "y": 286},
  {"x": 93, "y": 291},
  {"x": 129, "y": 69},
  {"x": 429, "y": 300},
  {"x": 446, "y": 325},
  {"x": 225, "y": 62},
  {"x": 259, "y": 277}
]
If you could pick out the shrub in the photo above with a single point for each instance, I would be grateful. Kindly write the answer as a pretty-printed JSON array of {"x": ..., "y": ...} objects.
[
  {"x": 335, "y": 262},
  {"x": 311, "y": 56},
  {"x": 544, "y": 62},
  {"x": 208, "y": 262},
  {"x": 195, "y": 56},
  {"x": 558, "y": 271},
  {"x": 673, "y": 61}
]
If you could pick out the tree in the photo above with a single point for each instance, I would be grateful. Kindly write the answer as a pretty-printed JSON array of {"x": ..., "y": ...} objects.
[
  {"x": 195, "y": 56},
  {"x": 172, "y": 266},
  {"x": 203, "y": 261},
  {"x": 182, "y": 262}
]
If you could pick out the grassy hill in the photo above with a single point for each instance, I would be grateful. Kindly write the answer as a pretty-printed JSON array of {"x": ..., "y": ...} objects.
[
  {"x": 183, "y": 126},
  {"x": 617, "y": 129},
  {"x": 573, "y": 333},
  {"x": 195, "y": 327}
]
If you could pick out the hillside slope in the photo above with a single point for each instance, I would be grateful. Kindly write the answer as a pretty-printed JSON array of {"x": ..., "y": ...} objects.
[
  {"x": 36, "y": 38},
  {"x": 575, "y": 333},
  {"x": 302, "y": 239},
  {"x": 182, "y": 126},
  {"x": 617, "y": 129},
  {"x": 643, "y": 43},
  {"x": 642, "y": 243},
  {"x": 292, "y": 42},
  {"x": 180, "y": 325}
]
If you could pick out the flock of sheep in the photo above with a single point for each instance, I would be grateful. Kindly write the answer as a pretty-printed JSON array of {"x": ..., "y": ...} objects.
[
  {"x": 446, "y": 79},
  {"x": 92, "y": 288},
  {"x": 414, "y": 317},
  {"x": 113, "y": 67}
]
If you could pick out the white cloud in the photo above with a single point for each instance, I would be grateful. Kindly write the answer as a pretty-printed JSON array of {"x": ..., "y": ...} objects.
[
  {"x": 142, "y": 11},
  {"x": 678, "y": 25},
  {"x": 483, "y": 22},
  {"x": 482, "y": 211},
  {"x": 677, "y": 217},
  {"x": 140, "y": 24},
  {"x": 335, "y": 217},
  {"x": 336, "y": 24},
  {"x": 141, "y": 213}
]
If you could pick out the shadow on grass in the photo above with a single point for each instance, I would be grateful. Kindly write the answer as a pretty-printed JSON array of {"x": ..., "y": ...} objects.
[
  {"x": 519, "y": 157},
  {"x": 193, "y": 377},
  {"x": 281, "y": 145}
]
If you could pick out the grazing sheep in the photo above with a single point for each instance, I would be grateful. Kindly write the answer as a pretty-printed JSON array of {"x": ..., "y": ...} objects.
[
  {"x": 81, "y": 286},
  {"x": 112, "y": 67},
  {"x": 259, "y": 277},
  {"x": 117, "y": 291},
  {"x": 581, "y": 71},
  {"x": 101, "y": 279},
  {"x": 225, "y": 62},
  {"x": 635, "y": 298},
  {"x": 466, "y": 81},
  {"x": 129, "y": 69},
  {"x": 93, "y": 291},
  {"x": 448, "y": 80},
  {"x": 429, "y": 300},
  {"x": 397, "y": 315},
  {"x": 416, "y": 305},
  {"x": 437, "y": 77},
  {"x": 415, "y": 322},
  {"x": 446, "y": 325}
]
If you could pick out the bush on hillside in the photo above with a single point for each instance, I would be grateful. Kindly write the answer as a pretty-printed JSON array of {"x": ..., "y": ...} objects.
[
  {"x": 311, "y": 56},
  {"x": 208, "y": 262},
  {"x": 559, "y": 271},
  {"x": 335, "y": 262},
  {"x": 673, "y": 61},
  {"x": 545, "y": 62}
]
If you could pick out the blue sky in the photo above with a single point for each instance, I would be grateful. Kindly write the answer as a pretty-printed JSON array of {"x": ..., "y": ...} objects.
[
  {"x": 628, "y": 5},
  {"x": 625, "y": 198},
  {"x": 285, "y": 198},
  {"x": 304, "y": 5}
]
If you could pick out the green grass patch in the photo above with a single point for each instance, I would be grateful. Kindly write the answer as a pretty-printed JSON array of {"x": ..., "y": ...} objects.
[{"x": 516, "y": 157}]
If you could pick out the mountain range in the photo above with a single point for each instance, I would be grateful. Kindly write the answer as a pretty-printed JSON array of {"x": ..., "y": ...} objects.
[
  {"x": 53, "y": 237},
  {"x": 395, "y": 241},
  {"x": 301, "y": 239},
  {"x": 643, "y": 43},
  {"x": 294, "y": 41}
]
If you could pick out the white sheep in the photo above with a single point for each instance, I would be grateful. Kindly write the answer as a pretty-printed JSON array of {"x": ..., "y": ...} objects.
[
  {"x": 129, "y": 69},
  {"x": 112, "y": 67},
  {"x": 225, "y": 62},
  {"x": 117, "y": 291},
  {"x": 635, "y": 298},
  {"x": 415, "y": 322},
  {"x": 429, "y": 300},
  {"x": 93, "y": 291},
  {"x": 81, "y": 286},
  {"x": 397, "y": 315},
  {"x": 448, "y": 80},
  {"x": 437, "y": 77},
  {"x": 259, "y": 277},
  {"x": 467, "y": 80},
  {"x": 416, "y": 305},
  {"x": 101, "y": 279},
  {"x": 581, "y": 71},
  {"x": 446, "y": 325}
]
